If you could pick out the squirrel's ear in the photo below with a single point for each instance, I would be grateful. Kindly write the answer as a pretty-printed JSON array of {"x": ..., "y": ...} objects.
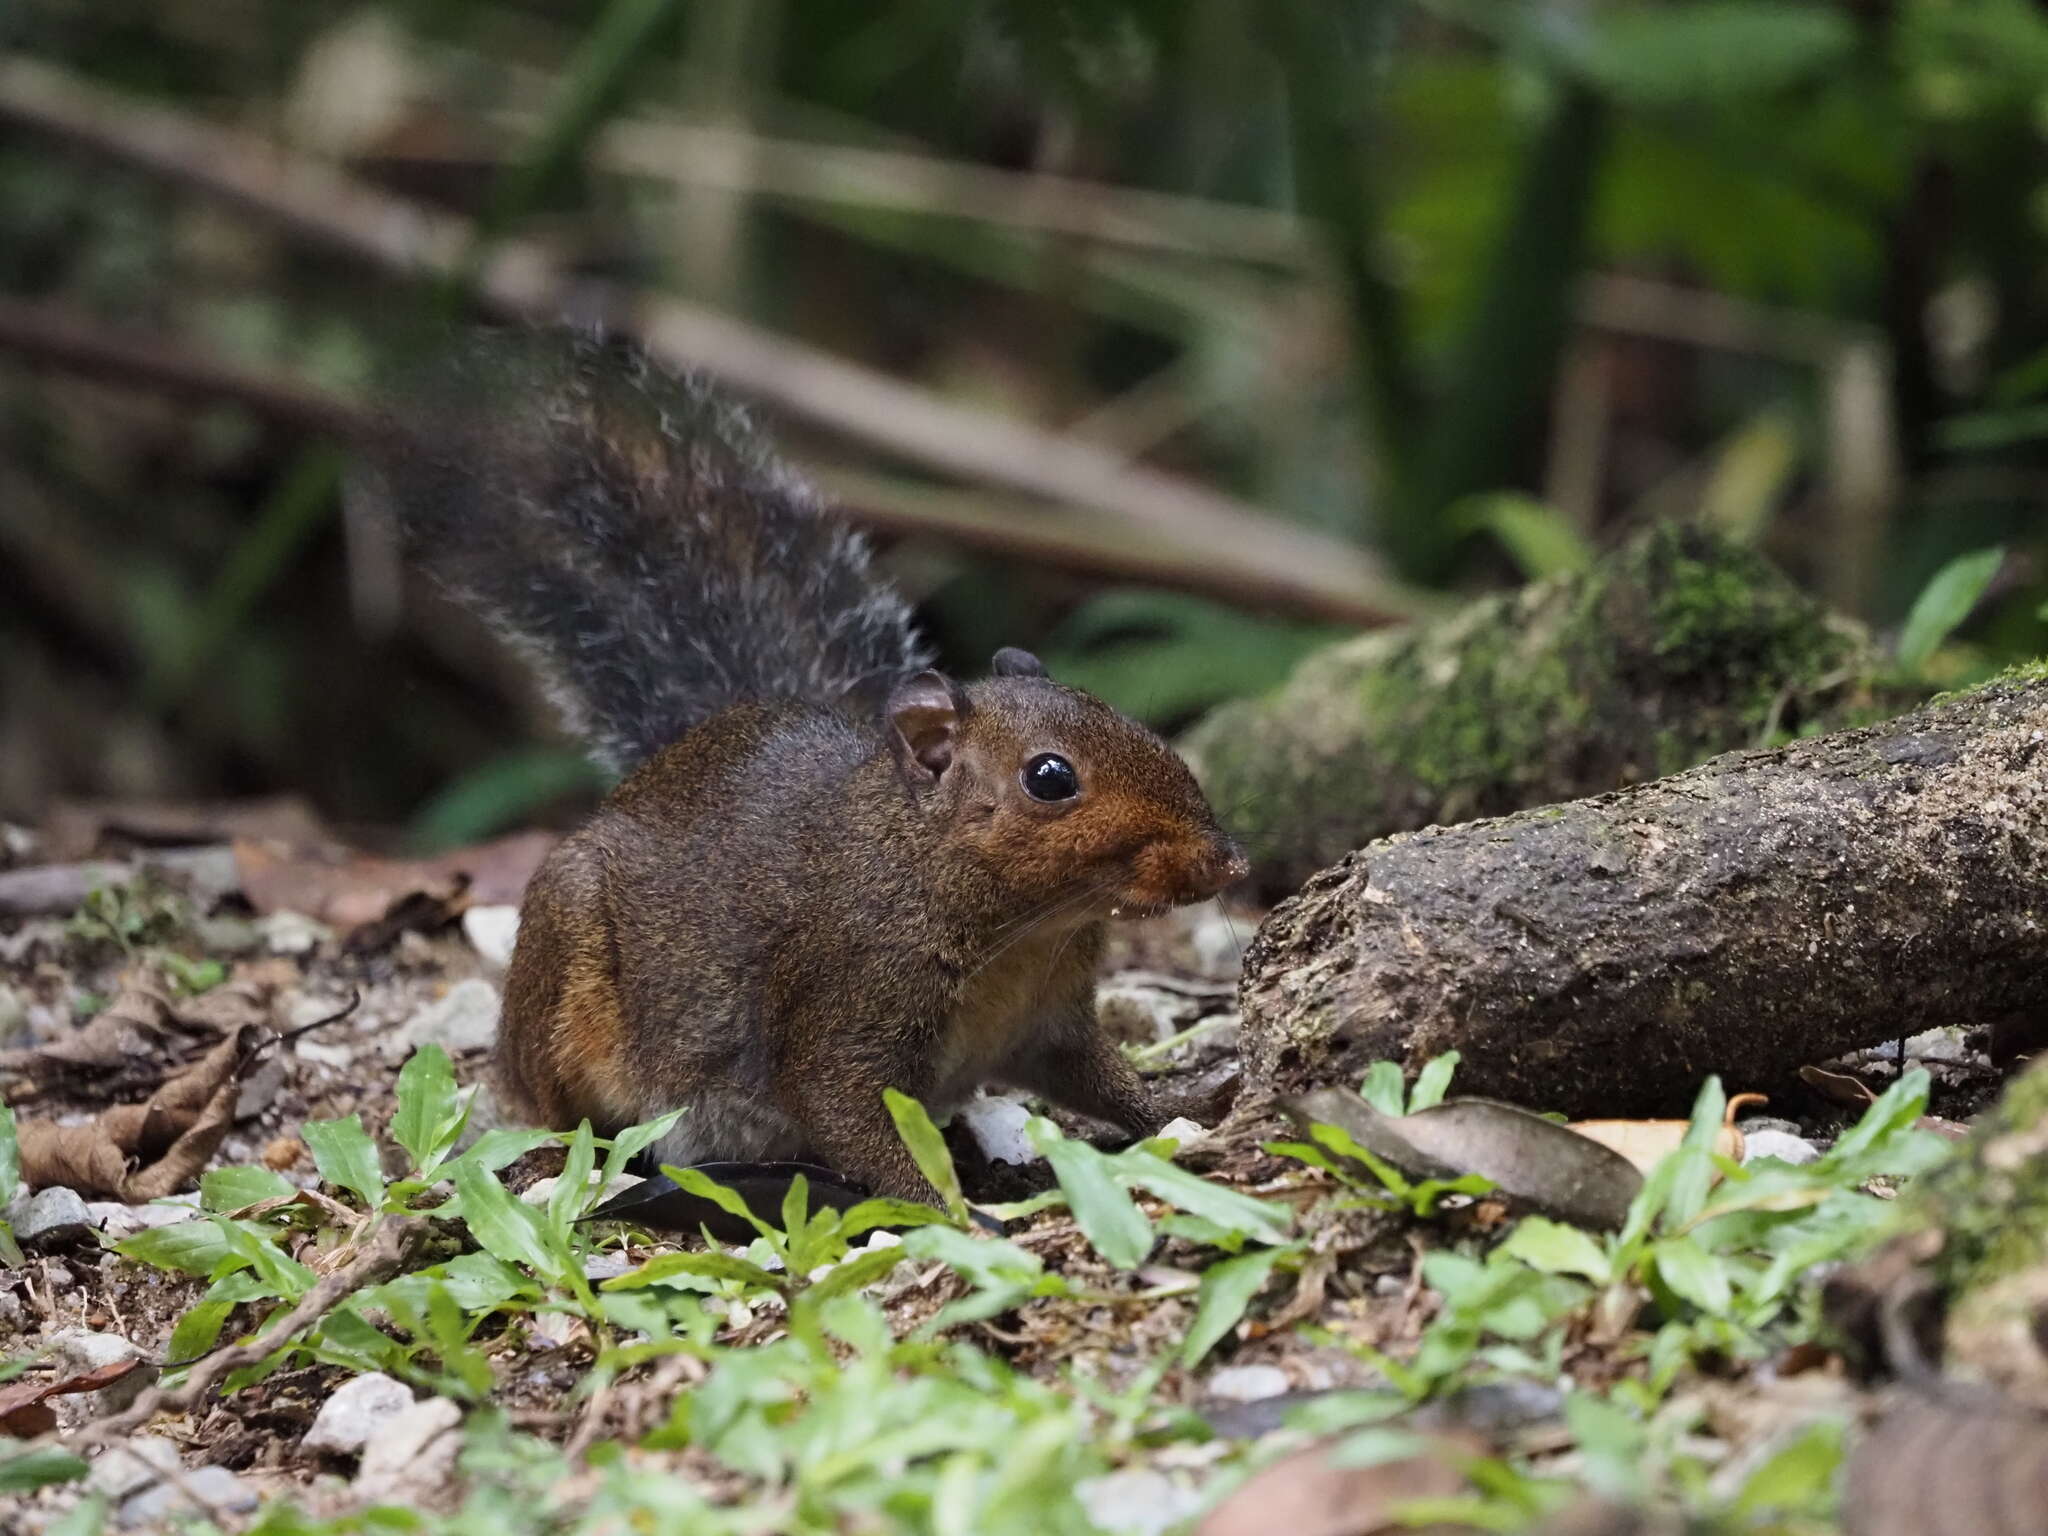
[
  {"x": 925, "y": 712},
  {"x": 1011, "y": 662}
]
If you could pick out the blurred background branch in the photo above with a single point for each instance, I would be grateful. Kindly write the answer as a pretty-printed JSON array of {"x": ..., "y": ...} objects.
[{"x": 1169, "y": 338}]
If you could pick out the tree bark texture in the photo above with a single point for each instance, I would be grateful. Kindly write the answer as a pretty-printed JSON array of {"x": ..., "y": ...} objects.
[
  {"x": 1764, "y": 910},
  {"x": 1674, "y": 647}
]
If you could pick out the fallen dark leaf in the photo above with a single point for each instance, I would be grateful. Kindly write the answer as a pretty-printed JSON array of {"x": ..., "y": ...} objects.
[
  {"x": 1838, "y": 1087},
  {"x": 1312, "y": 1494},
  {"x": 1535, "y": 1163},
  {"x": 423, "y": 911},
  {"x": 139, "y": 1152},
  {"x": 349, "y": 891},
  {"x": 1949, "y": 1465},
  {"x": 24, "y": 1407}
]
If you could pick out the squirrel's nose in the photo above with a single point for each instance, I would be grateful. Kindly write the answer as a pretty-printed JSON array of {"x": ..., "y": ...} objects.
[{"x": 1227, "y": 865}]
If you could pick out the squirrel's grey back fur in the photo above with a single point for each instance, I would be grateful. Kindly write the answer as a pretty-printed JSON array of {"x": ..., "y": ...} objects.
[{"x": 630, "y": 532}]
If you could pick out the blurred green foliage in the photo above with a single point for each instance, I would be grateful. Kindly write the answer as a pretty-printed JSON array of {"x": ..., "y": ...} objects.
[{"x": 1475, "y": 285}]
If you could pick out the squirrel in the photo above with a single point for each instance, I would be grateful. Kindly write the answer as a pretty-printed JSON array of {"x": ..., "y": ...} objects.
[{"x": 829, "y": 869}]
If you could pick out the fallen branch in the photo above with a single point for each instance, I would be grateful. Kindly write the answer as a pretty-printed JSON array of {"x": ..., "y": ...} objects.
[
  {"x": 1088, "y": 545},
  {"x": 1762, "y": 911},
  {"x": 316, "y": 203}
]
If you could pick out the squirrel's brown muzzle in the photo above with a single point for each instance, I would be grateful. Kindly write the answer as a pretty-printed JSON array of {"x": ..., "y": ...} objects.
[{"x": 1230, "y": 866}]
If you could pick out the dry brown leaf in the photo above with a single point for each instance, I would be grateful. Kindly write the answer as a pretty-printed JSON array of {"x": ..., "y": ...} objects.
[
  {"x": 141, "y": 1035},
  {"x": 139, "y": 1152},
  {"x": 24, "y": 1407},
  {"x": 1840, "y": 1087},
  {"x": 1310, "y": 1494},
  {"x": 139, "y": 1024},
  {"x": 348, "y": 892},
  {"x": 1534, "y": 1163},
  {"x": 1646, "y": 1142},
  {"x": 1949, "y": 1466}
]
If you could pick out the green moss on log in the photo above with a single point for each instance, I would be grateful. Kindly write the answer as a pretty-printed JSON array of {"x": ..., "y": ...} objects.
[{"x": 1676, "y": 647}]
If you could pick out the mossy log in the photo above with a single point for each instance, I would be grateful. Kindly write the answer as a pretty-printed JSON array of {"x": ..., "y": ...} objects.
[
  {"x": 1674, "y": 647},
  {"x": 1761, "y": 911}
]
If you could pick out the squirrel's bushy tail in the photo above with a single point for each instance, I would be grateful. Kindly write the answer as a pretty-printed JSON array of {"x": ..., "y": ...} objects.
[{"x": 628, "y": 530}]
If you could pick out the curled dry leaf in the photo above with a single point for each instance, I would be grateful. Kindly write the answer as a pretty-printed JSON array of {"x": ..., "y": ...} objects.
[
  {"x": 25, "y": 1410},
  {"x": 140, "y": 1036},
  {"x": 1838, "y": 1087},
  {"x": 348, "y": 892},
  {"x": 1536, "y": 1163},
  {"x": 139, "y": 1152},
  {"x": 1949, "y": 1465},
  {"x": 1312, "y": 1493}
]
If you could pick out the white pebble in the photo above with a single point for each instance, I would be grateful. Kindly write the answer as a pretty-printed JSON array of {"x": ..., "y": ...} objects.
[
  {"x": 1248, "y": 1383},
  {"x": 491, "y": 932},
  {"x": 357, "y": 1410},
  {"x": 997, "y": 1125}
]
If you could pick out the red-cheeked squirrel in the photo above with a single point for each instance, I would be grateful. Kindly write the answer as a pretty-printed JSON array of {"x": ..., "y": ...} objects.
[{"x": 829, "y": 869}]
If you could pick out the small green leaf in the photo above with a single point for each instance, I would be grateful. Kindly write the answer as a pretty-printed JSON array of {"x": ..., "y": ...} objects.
[
  {"x": 1432, "y": 1082},
  {"x": 503, "y": 1225},
  {"x": 572, "y": 1185},
  {"x": 231, "y": 1189},
  {"x": 482, "y": 1282},
  {"x": 1612, "y": 1443},
  {"x": 430, "y": 1110},
  {"x": 796, "y": 1206},
  {"x": 1557, "y": 1249},
  {"x": 1799, "y": 1478},
  {"x": 1338, "y": 1140},
  {"x": 198, "y": 1330},
  {"x": 1105, "y": 1214},
  {"x": 1537, "y": 538},
  {"x": 37, "y": 1467},
  {"x": 1945, "y": 602},
  {"x": 1693, "y": 1274},
  {"x": 629, "y": 1144},
  {"x": 884, "y": 1212},
  {"x": 701, "y": 1184},
  {"x": 254, "y": 1245},
  {"x": 706, "y": 1266},
  {"x": 855, "y": 1271},
  {"x": 1265, "y": 1220},
  {"x": 189, "y": 1247},
  {"x": 1385, "y": 1089},
  {"x": 928, "y": 1147},
  {"x": 1227, "y": 1289},
  {"x": 346, "y": 1157},
  {"x": 10, "y": 1158}
]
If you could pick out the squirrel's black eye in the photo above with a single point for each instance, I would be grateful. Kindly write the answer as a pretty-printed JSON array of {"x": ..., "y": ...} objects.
[{"x": 1049, "y": 776}]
